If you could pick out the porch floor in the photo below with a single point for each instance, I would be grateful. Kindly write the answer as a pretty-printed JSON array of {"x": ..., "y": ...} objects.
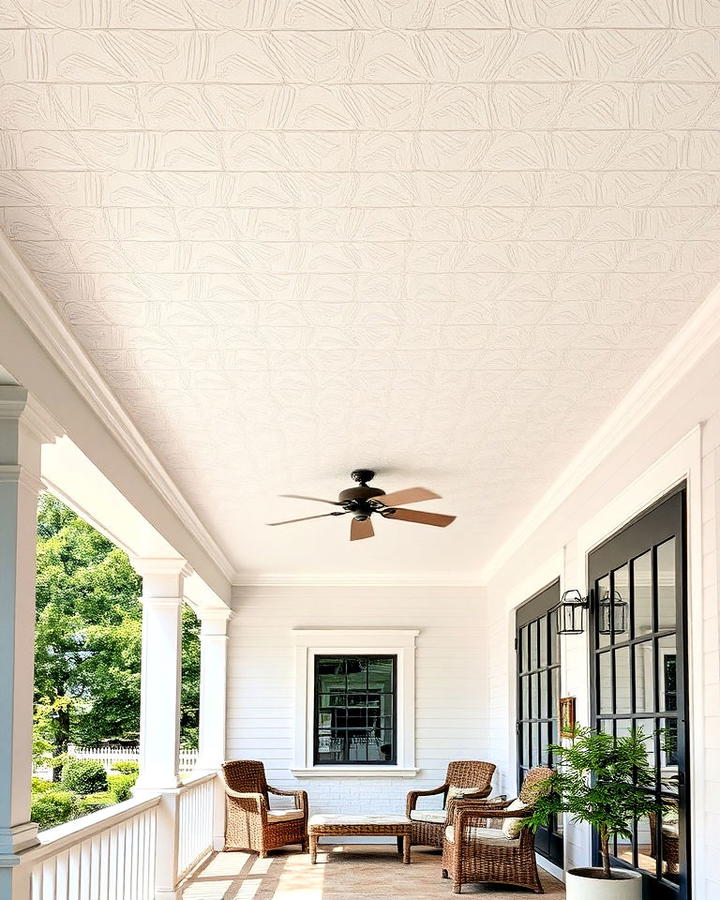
[{"x": 352, "y": 871}]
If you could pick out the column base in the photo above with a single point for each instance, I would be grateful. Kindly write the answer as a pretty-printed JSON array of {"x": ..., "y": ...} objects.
[{"x": 17, "y": 838}]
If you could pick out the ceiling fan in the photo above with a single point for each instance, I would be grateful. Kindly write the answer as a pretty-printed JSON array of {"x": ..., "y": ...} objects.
[{"x": 362, "y": 501}]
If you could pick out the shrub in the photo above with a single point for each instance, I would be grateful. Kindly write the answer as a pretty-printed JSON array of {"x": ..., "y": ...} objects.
[
  {"x": 84, "y": 776},
  {"x": 121, "y": 786},
  {"x": 40, "y": 786},
  {"x": 51, "y": 808},
  {"x": 95, "y": 802},
  {"x": 126, "y": 767}
]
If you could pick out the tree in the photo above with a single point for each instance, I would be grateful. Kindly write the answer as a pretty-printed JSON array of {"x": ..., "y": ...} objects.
[{"x": 88, "y": 636}]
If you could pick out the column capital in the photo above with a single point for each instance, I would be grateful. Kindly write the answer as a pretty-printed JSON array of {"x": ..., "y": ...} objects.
[
  {"x": 149, "y": 565},
  {"x": 17, "y": 404},
  {"x": 214, "y": 621}
]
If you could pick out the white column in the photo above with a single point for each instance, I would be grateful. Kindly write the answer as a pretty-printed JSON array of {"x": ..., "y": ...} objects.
[
  {"x": 213, "y": 687},
  {"x": 162, "y": 599},
  {"x": 22, "y": 432}
]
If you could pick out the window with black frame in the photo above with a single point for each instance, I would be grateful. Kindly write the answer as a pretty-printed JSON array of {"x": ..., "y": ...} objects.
[{"x": 355, "y": 710}]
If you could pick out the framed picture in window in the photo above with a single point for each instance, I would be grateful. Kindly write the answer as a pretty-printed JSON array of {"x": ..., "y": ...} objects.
[{"x": 567, "y": 717}]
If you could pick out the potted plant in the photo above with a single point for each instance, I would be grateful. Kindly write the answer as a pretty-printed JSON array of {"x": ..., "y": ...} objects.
[{"x": 606, "y": 782}]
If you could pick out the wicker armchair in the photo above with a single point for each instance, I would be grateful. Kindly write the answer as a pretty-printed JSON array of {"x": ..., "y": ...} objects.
[
  {"x": 428, "y": 825},
  {"x": 476, "y": 849},
  {"x": 250, "y": 823}
]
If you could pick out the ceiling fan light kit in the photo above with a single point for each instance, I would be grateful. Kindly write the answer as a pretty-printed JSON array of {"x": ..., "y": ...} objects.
[{"x": 363, "y": 501}]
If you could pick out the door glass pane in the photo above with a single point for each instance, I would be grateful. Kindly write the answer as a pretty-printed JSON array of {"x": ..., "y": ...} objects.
[
  {"x": 602, "y": 588},
  {"x": 544, "y": 694},
  {"x": 670, "y": 843},
  {"x": 537, "y": 744},
  {"x": 646, "y": 845},
  {"x": 666, "y": 585},
  {"x": 534, "y": 708},
  {"x": 554, "y": 638},
  {"x": 533, "y": 638},
  {"x": 554, "y": 691},
  {"x": 623, "y": 684},
  {"x": 644, "y": 677},
  {"x": 524, "y": 650},
  {"x": 621, "y": 604},
  {"x": 525, "y": 744},
  {"x": 648, "y": 729},
  {"x": 525, "y": 697},
  {"x": 543, "y": 636},
  {"x": 642, "y": 594},
  {"x": 605, "y": 683},
  {"x": 667, "y": 673},
  {"x": 669, "y": 755}
]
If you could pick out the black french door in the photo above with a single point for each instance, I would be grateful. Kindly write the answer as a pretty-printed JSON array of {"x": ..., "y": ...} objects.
[
  {"x": 538, "y": 692},
  {"x": 638, "y": 633}
]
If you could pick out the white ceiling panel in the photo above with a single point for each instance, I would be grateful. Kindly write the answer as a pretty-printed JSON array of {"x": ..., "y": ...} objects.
[{"x": 441, "y": 239}]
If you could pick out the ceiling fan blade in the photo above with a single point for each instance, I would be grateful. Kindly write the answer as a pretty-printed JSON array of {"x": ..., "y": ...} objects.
[
  {"x": 302, "y": 497},
  {"x": 409, "y": 495},
  {"x": 361, "y": 528},
  {"x": 422, "y": 518},
  {"x": 305, "y": 518}
]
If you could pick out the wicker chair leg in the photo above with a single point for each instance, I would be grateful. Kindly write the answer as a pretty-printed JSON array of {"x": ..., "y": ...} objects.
[{"x": 457, "y": 887}]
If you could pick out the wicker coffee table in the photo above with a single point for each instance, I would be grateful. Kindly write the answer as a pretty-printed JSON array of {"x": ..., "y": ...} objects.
[{"x": 352, "y": 826}]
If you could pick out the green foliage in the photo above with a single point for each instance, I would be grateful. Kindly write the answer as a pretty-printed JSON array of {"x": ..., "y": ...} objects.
[
  {"x": 126, "y": 767},
  {"x": 84, "y": 776},
  {"x": 121, "y": 786},
  {"x": 88, "y": 639},
  {"x": 52, "y": 807},
  {"x": 601, "y": 780},
  {"x": 40, "y": 786},
  {"x": 95, "y": 802}
]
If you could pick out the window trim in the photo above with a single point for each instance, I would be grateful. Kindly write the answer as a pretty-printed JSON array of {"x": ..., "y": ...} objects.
[{"x": 312, "y": 642}]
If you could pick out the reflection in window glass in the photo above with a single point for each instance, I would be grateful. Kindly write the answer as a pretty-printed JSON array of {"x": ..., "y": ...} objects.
[
  {"x": 621, "y": 604},
  {"x": 603, "y": 586},
  {"x": 644, "y": 681},
  {"x": 667, "y": 673},
  {"x": 533, "y": 638},
  {"x": 642, "y": 594},
  {"x": 623, "y": 685},
  {"x": 605, "y": 683},
  {"x": 670, "y": 843},
  {"x": 666, "y": 585},
  {"x": 646, "y": 845}
]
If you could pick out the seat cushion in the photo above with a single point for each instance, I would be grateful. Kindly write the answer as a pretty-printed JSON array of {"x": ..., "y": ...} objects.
[
  {"x": 512, "y": 827},
  {"x": 437, "y": 816},
  {"x": 283, "y": 815},
  {"x": 458, "y": 793},
  {"x": 485, "y": 835}
]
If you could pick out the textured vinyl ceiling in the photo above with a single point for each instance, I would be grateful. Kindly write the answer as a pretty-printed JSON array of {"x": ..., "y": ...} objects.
[{"x": 437, "y": 238}]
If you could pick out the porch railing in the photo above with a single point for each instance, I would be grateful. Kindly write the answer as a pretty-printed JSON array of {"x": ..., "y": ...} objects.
[
  {"x": 195, "y": 822},
  {"x": 113, "y": 854},
  {"x": 107, "y": 855}
]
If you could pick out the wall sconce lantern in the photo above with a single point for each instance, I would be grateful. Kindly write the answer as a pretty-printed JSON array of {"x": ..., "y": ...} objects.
[
  {"x": 570, "y": 612},
  {"x": 619, "y": 612}
]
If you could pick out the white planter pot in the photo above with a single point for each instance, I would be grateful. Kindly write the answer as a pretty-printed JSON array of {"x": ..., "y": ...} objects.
[{"x": 581, "y": 885}]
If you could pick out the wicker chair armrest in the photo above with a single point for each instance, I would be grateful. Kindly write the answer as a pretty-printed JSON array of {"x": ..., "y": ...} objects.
[
  {"x": 468, "y": 815},
  {"x": 412, "y": 797},
  {"x": 301, "y": 798}
]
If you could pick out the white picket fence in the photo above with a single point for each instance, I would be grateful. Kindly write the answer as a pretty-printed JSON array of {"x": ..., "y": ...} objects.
[{"x": 108, "y": 756}]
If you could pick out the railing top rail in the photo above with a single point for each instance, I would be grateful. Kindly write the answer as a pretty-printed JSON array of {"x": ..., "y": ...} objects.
[
  {"x": 195, "y": 780},
  {"x": 57, "y": 839}
]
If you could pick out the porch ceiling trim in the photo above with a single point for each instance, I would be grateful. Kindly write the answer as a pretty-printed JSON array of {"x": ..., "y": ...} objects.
[
  {"x": 26, "y": 298},
  {"x": 690, "y": 344}
]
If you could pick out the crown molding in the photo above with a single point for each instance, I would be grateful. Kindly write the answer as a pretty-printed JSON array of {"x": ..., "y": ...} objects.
[
  {"x": 696, "y": 337},
  {"x": 355, "y": 579},
  {"x": 29, "y": 302}
]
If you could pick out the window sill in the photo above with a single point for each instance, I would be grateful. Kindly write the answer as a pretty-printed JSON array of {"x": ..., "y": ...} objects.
[{"x": 357, "y": 771}]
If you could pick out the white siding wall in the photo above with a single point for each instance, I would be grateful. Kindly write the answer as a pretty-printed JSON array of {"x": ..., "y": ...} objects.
[
  {"x": 451, "y": 691},
  {"x": 554, "y": 549}
]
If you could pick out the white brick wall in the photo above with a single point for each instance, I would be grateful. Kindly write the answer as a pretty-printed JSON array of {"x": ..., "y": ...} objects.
[{"x": 451, "y": 690}]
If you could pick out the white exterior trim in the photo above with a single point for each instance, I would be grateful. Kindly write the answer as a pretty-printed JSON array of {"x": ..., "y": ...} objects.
[
  {"x": 683, "y": 462},
  {"x": 312, "y": 641}
]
